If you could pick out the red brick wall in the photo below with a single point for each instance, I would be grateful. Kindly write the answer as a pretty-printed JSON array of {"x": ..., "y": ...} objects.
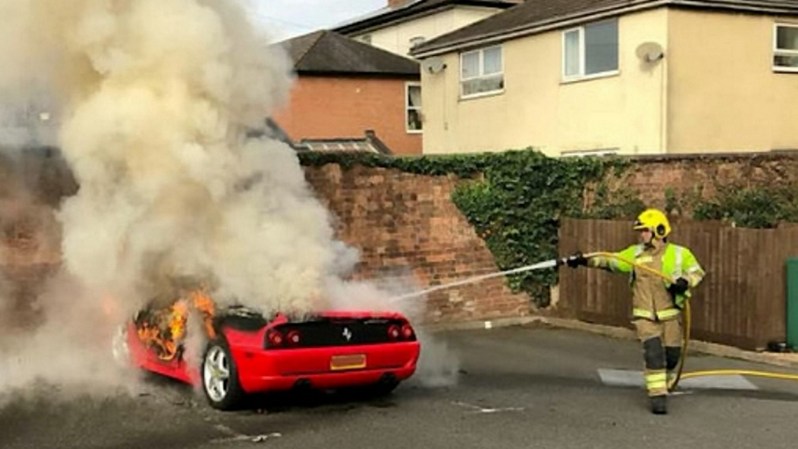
[
  {"x": 328, "y": 107},
  {"x": 651, "y": 175},
  {"x": 29, "y": 246},
  {"x": 402, "y": 222}
]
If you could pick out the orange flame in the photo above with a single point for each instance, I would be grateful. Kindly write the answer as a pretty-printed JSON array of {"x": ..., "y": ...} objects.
[{"x": 166, "y": 341}]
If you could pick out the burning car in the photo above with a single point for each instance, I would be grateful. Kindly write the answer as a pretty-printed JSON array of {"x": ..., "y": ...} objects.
[{"x": 246, "y": 352}]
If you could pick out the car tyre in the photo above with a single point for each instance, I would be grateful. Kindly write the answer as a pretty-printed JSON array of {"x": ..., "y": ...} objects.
[
  {"x": 220, "y": 377},
  {"x": 383, "y": 388}
]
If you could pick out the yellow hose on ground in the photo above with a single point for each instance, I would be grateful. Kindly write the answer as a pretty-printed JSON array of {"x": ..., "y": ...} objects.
[{"x": 672, "y": 383}]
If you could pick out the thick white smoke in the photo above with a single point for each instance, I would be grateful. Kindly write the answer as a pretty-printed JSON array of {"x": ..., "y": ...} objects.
[
  {"x": 157, "y": 98},
  {"x": 152, "y": 101}
]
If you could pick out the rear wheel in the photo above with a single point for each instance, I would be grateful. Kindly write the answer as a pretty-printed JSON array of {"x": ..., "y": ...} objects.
[
  {"x": 384, "y": 387},
  {"x": 220, "y": 377}
]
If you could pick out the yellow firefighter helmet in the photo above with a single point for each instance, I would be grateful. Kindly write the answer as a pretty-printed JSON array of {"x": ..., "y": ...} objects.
[{"x": 655, "y": 221}]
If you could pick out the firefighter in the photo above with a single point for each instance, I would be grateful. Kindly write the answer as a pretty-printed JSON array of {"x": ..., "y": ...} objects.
[{"x": 656, "y": 303}]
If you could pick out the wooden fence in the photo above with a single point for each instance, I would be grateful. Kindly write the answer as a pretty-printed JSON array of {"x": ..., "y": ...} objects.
[{"x": 742, "y": 301}]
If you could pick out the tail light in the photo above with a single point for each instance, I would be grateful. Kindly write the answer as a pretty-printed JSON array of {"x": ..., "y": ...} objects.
[
  {"x": 293, "y": 337},
  {"x": 277, "y": 339},
  {"x": 403, "y": 332},
  {"x": 274, "y": 338}
]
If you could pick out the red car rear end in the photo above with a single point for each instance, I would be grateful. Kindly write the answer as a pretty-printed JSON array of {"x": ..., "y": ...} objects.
[
  {"x": 331, "y": 351},
  {"x": 248, "y": 354}
]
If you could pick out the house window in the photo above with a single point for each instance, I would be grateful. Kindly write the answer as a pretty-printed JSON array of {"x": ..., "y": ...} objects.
[
  {"x": 413, "y": 107},
  {"x": 590, "y": 50},
  {"x": 481, "y": 72},
  {"x": 785, "y": 48}
]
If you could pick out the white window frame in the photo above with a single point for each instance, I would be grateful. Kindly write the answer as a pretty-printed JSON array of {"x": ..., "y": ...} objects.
[
  {"x": 777, "y": 51},
  {"x": 582, "y": 55},
  {"x": 408, "y": 108},
  {"x": 481, "y": 53}
]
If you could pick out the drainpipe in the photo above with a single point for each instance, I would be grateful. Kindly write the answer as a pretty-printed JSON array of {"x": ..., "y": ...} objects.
[{"x": 663, "y": 101}]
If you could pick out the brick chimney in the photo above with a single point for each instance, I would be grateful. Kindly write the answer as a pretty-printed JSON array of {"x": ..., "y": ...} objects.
[{"x": 396, "y": 3}]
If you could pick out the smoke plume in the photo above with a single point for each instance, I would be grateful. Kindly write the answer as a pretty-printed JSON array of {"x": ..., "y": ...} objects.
[{"x": 152, "y": 104}]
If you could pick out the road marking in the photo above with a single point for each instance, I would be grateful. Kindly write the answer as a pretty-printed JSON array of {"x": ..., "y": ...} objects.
[
  {"x": 480, "y": 409},
  {"x": 631, "y": 378},
  {"x": 240, "y": 437}
]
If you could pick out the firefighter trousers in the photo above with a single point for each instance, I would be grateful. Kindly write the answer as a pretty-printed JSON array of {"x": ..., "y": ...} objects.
[{"x": 662, "y": 349}]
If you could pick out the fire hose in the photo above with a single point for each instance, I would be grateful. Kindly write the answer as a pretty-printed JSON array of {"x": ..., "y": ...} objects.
[{"x": 673, "y": 383}]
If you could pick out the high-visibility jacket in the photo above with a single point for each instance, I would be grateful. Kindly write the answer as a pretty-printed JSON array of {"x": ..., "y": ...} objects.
[{"x": 650, "y": 298}]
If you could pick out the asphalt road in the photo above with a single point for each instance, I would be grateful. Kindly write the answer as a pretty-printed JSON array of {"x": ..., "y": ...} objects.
[{"x": 518, "y": 387}]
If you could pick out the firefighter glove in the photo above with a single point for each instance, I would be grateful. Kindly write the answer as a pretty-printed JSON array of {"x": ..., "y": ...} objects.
[
  {"x": 678, "y": 287},
  {"x": 575, "y": 260}
]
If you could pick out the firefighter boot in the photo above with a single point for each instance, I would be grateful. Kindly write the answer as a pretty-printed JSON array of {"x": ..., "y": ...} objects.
[{"x": 659, "y": 405}]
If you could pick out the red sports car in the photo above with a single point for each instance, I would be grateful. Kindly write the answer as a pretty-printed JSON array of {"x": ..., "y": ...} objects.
[{"x": 248, "y": 353}]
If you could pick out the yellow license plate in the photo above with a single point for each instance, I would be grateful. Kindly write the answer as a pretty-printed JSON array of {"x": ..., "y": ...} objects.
[{"x": 348, "y": 361}]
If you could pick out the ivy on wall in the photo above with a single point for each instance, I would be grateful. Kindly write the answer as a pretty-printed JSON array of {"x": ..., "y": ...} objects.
[{"x": 517, "y": 208}]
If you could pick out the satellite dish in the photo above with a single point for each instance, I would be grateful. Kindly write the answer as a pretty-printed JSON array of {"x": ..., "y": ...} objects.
[
  {"x": 649, "y": 51},
  {"x": 434, "y": 64}
]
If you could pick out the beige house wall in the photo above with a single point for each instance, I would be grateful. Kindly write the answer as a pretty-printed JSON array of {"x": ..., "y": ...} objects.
[
  {"x": 725, "y": 95},
  {"x": 396, "y": 38},
  {"x": 537, "y": 108},
  {"x": 715, "y": 90}
]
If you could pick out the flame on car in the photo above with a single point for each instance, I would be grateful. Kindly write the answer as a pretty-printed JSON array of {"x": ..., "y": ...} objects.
[{"x": 167, "y": 330}]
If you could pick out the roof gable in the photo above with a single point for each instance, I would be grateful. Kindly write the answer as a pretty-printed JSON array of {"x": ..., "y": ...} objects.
[
  {"x": 326, "y": 52},
  {"x": 539, "y": 15}
]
